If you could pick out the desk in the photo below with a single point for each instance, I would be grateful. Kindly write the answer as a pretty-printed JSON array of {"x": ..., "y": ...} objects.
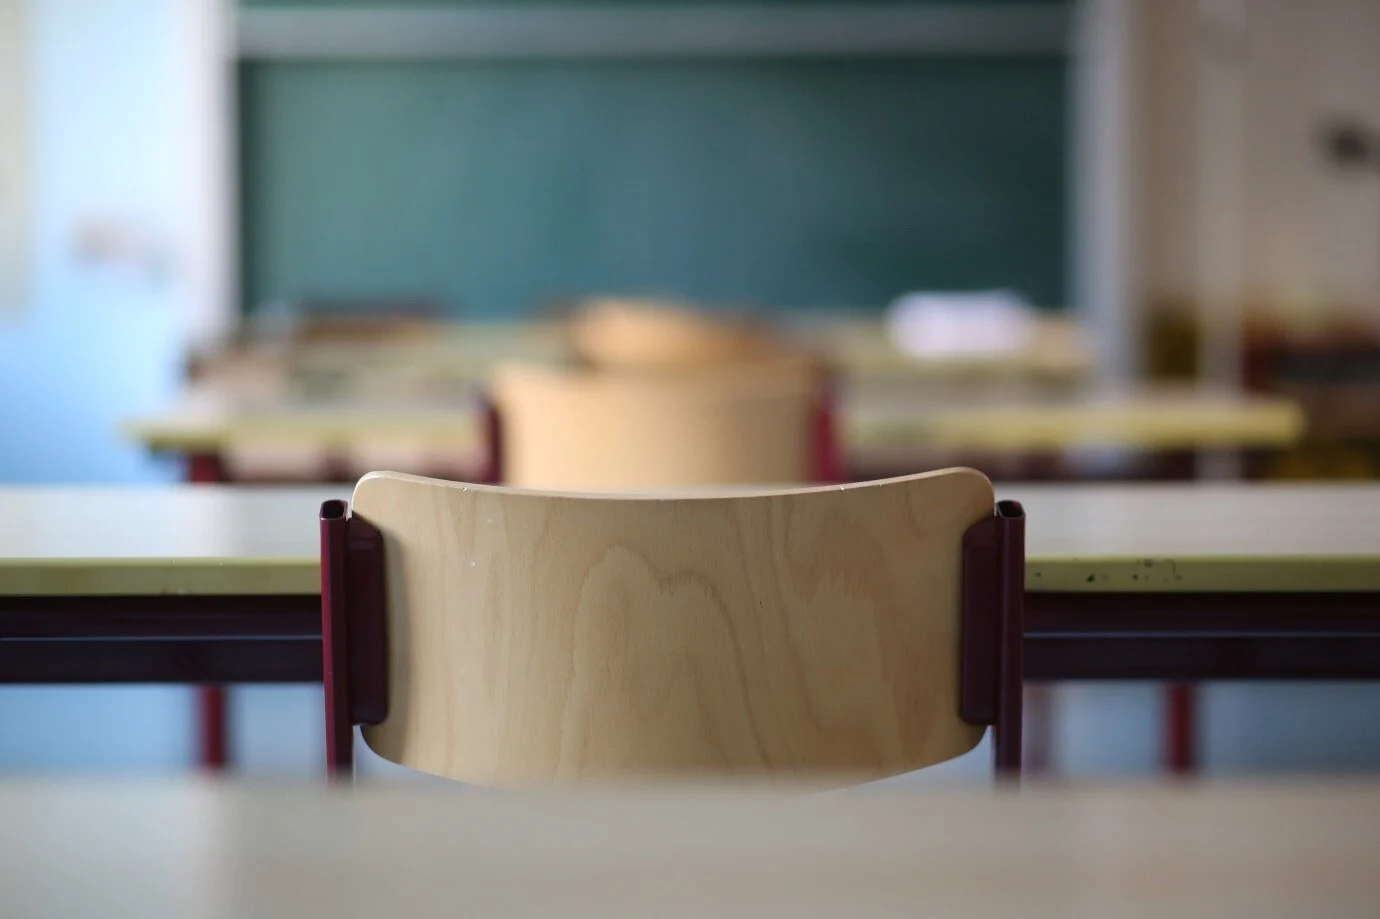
[
  {"x": 183, "y": 849},
  {"x": 896, "y": 423},
  {"x": 879, "y": 426},
  {"x": 415, "y": 392},
  {"x": 1123, "y": 582},
  {"x": 444, "y": 355},
  {"x": 1200, "y": 582},
  {"x": 1157, "y": 582}
]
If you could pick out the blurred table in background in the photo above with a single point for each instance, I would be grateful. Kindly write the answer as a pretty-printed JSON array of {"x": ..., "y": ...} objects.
[
  {"x": 880, "y": 432},
  {"x": 180, "y": 849},
  {"x": 409, "y": 401},
  {"x": 1336, "y": 379},
  {"x": 1320, "y": 352},
  {"x": 894, "y": 429},
  {"x": 441, "y": 359}
]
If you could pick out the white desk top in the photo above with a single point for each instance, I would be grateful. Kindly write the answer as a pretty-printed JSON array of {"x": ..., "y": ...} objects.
[
  {"x": 1159, "y": 418},
  {"x": 174, "y": 540},
  {"x": 182, "y": 850},
  {"x": 1122, "y": 538},
  {"x": 1236, "y": 537}
]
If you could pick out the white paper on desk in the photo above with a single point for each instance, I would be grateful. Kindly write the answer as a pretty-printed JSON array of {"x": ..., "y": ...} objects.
[{"x": 961, "y": 323}]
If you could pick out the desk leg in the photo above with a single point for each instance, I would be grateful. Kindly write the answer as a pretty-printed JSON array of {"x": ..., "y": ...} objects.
[
  {"x": 211, "y": 704},
  {"x": 1181, "y": 699},
  {"x": 1039, "y": 728},
  {"x": 211, "y": 738},
  {"x": 1181, "y": 728},
  {"x": 205, "y": 469}
]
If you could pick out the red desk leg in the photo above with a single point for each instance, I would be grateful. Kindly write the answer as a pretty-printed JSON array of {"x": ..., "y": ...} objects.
[
  {"x": 826, "y": 455},
  {"x": 1039, "y": 728},
  {"x": 211, "y": 740},
  {"x": 205, "y": 469},
  {"x": 1181, "y": 728}
]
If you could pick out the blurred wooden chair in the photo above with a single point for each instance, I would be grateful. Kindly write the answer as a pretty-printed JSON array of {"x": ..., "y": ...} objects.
[
  {"x": 827, "y": 635},
  {"x": 623, "y": 334},
  {"x": 747, "y": 424}
]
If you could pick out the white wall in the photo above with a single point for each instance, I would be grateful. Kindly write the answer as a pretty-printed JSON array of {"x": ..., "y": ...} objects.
[
  {"x": 14, "y": 154},
  {"x": 1305, "y": 229},
  {"x": 1104, "y": 161},
  {"x": 120, "y": 137},
  {"x": 118, "y": 141}
]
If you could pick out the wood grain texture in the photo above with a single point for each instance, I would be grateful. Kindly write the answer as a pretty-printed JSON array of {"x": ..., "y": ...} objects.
[
  {"x": 571, "y": 429},
  {"x": 181, "y": 849},
  {"x": 538, "y": 638},
  {"x": 1057, "y": 351}
]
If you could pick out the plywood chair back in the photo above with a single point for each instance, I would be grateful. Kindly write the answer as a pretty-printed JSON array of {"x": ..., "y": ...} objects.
[
  {"x": 621, "y": 334},
  {"x": 588, "y": 430},
  {"x": 536, "y": 638}
]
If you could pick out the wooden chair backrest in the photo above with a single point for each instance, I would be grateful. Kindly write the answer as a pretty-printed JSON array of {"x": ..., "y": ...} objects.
[
  {"x": 539, "y": 638},
  {"x": 616, "y": 334},
  {"x": 590, "y": 430}
]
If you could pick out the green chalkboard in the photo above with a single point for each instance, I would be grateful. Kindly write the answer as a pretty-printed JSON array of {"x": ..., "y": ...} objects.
[{"x": 494, "y": 187}]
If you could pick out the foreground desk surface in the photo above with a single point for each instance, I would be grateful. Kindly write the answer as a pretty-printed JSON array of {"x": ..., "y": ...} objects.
[
  {"x": 219, "y": 540},
  {"x": 198, "y": 850}
]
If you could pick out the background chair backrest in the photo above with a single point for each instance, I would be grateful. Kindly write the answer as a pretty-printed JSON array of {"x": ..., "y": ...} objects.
[
  {"x": 614, "y": 334},
  {"x": 537, "y": 638},
  {"x": 591, "y": 430}
]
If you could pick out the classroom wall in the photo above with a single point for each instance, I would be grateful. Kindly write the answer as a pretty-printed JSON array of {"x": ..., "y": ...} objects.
[
  {"x": 129, "y": 250},
  {"x": 1232, "y": 164},
  {"x": 118, "y": 139},
  {"x": 14, "y": 155}
]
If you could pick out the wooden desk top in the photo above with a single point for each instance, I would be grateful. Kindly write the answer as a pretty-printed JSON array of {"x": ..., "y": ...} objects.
[
  {"x": 872, "y": 423},
  {"x": 1201, "y": 537},
  {"x": 1164, "y": 418},
  {"x": 446, "y": 353},
  {"x": 173, "y": 540},
  {"x": 1095, "y": 538},
  {"x": 204, "y": 423},
  {"x": 1058, "y": 350},
  {"x": 193, "y": 849}
]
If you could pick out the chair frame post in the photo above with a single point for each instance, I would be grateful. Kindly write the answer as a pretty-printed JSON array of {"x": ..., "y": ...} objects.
[
  {"x": 826, "y": 457},
  {"x": 353, "y": 633},
  {"x": 492, "y": 473},
  {"x": 991, "y": 631}
]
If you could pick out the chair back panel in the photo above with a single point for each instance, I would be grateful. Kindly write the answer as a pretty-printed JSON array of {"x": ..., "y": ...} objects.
[
  {"x": 542, "y": 638},
  {"x": 592, "y": 430},
  {"x": 612, "y": 333}
]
